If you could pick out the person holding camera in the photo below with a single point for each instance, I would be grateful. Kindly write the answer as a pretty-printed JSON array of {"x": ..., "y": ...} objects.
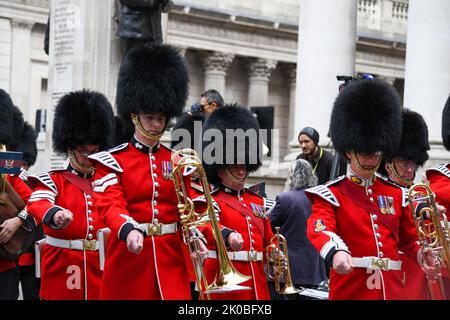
[{"x": 185, "y": 131}]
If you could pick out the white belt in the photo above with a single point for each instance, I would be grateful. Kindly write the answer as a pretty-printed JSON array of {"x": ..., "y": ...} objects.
[
  {"x": 159, "y": 229},
  {"x": 375, "y": 263},
  {"x": 239, "y": 255},
  {"x": 90, "y": 245}
]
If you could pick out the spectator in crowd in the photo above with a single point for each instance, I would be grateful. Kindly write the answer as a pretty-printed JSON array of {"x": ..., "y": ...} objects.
[
  {"x": 210, "y": 100},
  {"x": 290, "y": 213},
  {"x": 321, "y": 160}
]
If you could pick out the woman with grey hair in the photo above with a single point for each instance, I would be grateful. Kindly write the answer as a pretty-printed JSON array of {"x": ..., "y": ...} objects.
[
  {"x": 290, "y": 213},
  {"x": 300, "y": 176}
]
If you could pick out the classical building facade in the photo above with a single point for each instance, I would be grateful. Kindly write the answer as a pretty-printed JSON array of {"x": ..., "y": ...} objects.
[{"x": 245, "y": 49}]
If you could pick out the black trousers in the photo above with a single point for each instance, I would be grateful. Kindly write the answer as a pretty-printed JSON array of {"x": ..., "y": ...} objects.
[
  {"x": 7, "y": 285},
  {"x": 25, "y": 276}
]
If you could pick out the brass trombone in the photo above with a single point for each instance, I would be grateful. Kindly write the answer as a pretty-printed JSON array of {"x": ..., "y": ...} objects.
[
  {"x": 278, "y": 263},
  {"x": 432, "y": 230},
  {"x": 185, "y": 163}
]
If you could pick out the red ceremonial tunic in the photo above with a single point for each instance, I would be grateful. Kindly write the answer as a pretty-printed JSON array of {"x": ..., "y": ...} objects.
[
  {"x": 24, "y": 192},
  {"x": 366, "y": 219},
  {"x": 67, "y": 274},
  {"x": 439, "y": 181},
  {"x": 245, "y": 213},
  {"x": 133, "y": 186},
  {"x": 439, "y": 178}
]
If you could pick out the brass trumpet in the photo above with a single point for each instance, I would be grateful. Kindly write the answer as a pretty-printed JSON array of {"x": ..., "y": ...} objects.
[
  {"x": 432, "y": 230},
  {"x": 278, "y": 262},
  {"x": 185, "y": 163}
]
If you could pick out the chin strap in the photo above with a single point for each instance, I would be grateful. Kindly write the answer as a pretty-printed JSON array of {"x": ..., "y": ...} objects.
[
  {"x": 233, "y": 178},
  {"x": 395, "y": 173},
  {"x": 144, "y": 132},
  {"x": 371, "y": 172},
  {"x": 76, "y": 164}
]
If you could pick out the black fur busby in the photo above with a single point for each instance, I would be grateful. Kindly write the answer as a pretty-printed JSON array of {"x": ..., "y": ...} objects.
[
  {"x": 414, "y": 144},
  {"x": 123, "y": 131},
  {"x": 28, "y": 144},
  {"x": 446, "y": 125},
  {"x": 82, "y": 117},
  {"x": 152, "y": 78},
  {"x": 228, "y": 149},
  {"x": 367, "y": 118},
  {"x": 17, "y": 129},
  {"x": 187, "y": 122},
  {"x": 6, "y": 117}
]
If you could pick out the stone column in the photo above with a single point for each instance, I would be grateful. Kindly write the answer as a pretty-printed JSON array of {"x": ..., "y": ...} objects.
[
  {"x": 259, "y": 74},
  {"x": 290, "y": 70},
  {"x": 216, "y": 65},
  {"x": 21, "y": 65},
  {"x": 83, "y": 54},
  {"x": 427, "y": 80},
  {"x": 326, "y": 48}
]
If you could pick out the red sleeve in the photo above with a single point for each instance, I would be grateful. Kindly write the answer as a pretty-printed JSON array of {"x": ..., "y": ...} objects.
[
  {"x": 41, "y": 204},
  {"x": 268, "y": 234},
  {"x": 321, "y": 228},
  {"x": 206, "y": 229},
  {"x": 440, "y": 185},
  {"x": 111, "y": 203},
  {"x": 20, "y": 187}
]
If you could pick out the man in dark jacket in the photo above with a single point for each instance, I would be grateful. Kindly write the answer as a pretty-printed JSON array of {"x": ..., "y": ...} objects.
[
  {"x": 320, "y": 159},
  {"x": 192, "y": 121},
  {"x": 140, "y": 21},
  {"x": 290, "y": 213}
]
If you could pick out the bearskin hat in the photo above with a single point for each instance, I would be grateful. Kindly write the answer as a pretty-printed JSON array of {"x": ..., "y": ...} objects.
[
  {"x": 123, "y": 131},
  {"x": 187, "y": 122},
  {"x": 6, "y": 117},
  {"x": 82, "y": 117},
  {"x": 28, "y": 144},
  {"x": 367, "y": 118},
  {"x": 17, "y": 129},
  {"x": 446, "y": 125},
  {"x": 414, "y": 144},
  {"x": 152, "y": 78},
  {"x": 228, "y": 150}
]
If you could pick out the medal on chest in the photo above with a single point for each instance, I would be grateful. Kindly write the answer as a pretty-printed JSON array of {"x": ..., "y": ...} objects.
[
  {"x": 167, "y": 170},
  {"x": 258, "y": 210},
  {"x": 386, "y": 205}
]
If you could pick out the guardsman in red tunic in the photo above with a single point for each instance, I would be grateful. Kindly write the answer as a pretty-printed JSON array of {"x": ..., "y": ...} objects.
[
  {"x": 239, "y": 209},
  {"x": 63, "y": 199},
  {"x": 360, "y": 222},
  {"x": 439, "y": 176},
  {"x": 133, "y": 187},
  {"x": 11, "y": 126},
  {"x": 439, "y": 179},
  {"x": 400, "y": 170}
]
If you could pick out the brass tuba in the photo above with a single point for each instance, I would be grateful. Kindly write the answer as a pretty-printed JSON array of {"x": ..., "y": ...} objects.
[
  {"x": 432, "y": 230},
  {"x": 185, "y": 163},
  {"x": 278, "y": 264}
]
